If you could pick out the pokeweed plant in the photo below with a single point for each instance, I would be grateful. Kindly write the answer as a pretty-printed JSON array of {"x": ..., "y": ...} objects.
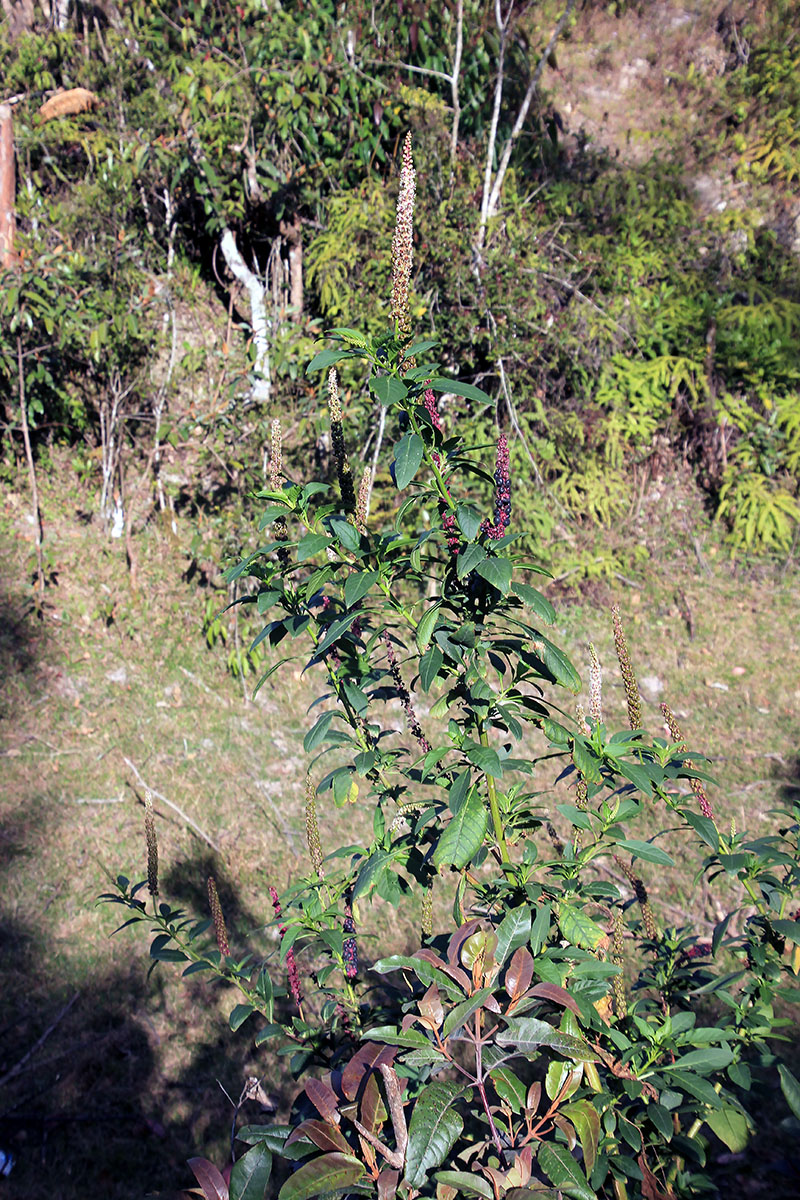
[{"x": 557, "y": 1039}]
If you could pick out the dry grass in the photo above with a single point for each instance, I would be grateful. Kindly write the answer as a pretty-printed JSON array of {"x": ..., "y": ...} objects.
[{"x": 128, "y": 1082}]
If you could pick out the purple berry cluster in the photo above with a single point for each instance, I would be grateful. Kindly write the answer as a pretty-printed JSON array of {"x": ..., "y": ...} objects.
[
  {"x": 292, "y": 974},
  {"x": 502, "y": 492},
  {"x": 350, "y": 948}
]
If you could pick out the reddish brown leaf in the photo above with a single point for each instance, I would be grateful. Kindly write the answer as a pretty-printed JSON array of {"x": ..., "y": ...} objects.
[
  {"x": 456, "y": 973},
  {"x": 324, "y": 1100},
  {"x": 458, "y": 939},
  {"x": 651, "y": 1188},
  {"x": 558, "y": 995},
  {"x": 210, "y": 1179},
  {"x": 372, "y": 1109},
  {"x": 387, "y": 1184},
  {"x": 430, "y": 1007},
  {"x": 519, "y": 973},
  {"x": 324, "y": 1135},
  {"x": 533, "y": 1098},
  {"x": 363, "y": 1061}
]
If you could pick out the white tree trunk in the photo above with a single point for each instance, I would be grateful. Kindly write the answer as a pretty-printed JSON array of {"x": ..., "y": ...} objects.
[
  {"x": 59, "y": 14},
  {"x": 257, "y": 293}
]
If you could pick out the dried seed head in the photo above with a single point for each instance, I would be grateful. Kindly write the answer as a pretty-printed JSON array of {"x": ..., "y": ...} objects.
[
  {"x": 595, "y": 687},
  {"x": 628, "y": 676},
  {"x": 152, "y": 844},
  {"x": 695, "y": 784},
  {"x": 403, "y": 242},
  {"x": 362, "y": 500},
  {"x": 617, "y": 952},
  {"x": 216, "y": 915},
  {"x": 312, "y": 829},
  {"x": 582, "y": 793},
  {"x": 427, "y": 910},
  {"x": 275, "y": 456}
]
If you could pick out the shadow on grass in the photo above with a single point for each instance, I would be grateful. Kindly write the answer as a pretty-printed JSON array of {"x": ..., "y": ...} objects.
[{"x": 109, "y": 1084}]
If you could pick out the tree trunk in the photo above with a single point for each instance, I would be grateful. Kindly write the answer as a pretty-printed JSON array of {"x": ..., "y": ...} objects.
[
  {"x": 59, "y": 14},
  {"x": 7, "y": 188},
  {"x": 293, "y": 233},
  {"x": 257, "y": 293}
]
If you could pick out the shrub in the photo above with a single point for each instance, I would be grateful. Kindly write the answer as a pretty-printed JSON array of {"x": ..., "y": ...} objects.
[{"x": 555, "y": 1037}]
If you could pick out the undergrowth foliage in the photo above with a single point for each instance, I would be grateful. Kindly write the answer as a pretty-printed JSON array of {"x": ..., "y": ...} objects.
[{"x": 554, "y": 1036}]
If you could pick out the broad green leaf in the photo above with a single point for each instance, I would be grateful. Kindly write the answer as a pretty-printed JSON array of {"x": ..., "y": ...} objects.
[
  {"x": 528, "y": 1034},
  {"x": 463, "y": 836},
  {"x": 429, "y": 666},
  {"x": 586, "y": 1119},
  {"x": 704, "y": 1060},
  {"x": 459, "y": 1015},
  {"x": 468, "y": 559},
  {"x": 419, "y": 348},
  {"x": 250, "y": 1174},
  {"x": 408, "y": 455},
  {"x": 790, "y": 1088},
  {"x": 426, "y": 625},
  {"x": 535, "y": 601},
  {"x": 471, "y": 1185},
  {"x": 705, "y": 827},
  {"x": 239, "y": 1015},
  {"x": 562, "y": 1170},
  {"x": 328, "y": 1173},
  {"x": 370, "y": 874},
  {"x": 433, "y": 1129},
  {"x": 638, "y": 775},
  {"x": 345, "y": 533},
  {"x": 540, "y": 928},
  {"x": 310, "y": 545},
  {"x": 585, "y": 761},
  {"x": 557, "y": 663},
  {"x": 788, "y": 929},
  {"x": 425, "y": 972},
  {"x": 485, "y": 759},
  {"x": 317, "y": 733},
  {"x": 453, "y": 388},
  {"x": 335, "y": 631},
  {"x": 730, "y": 1126},
  {"x": 497, "y": 572},
  {"x": 512, "y": 932},
  {"x": 579, "y": 929},
  {"x": 357, "y": 586},
  {"x": 328, "y": 358},
  {"x": 469, "y": 519},
  {"x": 388, "y": 389},
  {"x": 647, "y": 851}
]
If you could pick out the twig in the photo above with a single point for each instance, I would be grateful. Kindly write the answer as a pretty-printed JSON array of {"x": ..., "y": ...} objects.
[
  {"x": 110, "y": 800},
  {"x": 184, "y": 816},
  {"x": 16, "y": 1069}
]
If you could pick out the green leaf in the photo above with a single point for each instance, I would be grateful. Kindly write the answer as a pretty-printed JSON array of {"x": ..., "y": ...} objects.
[
  {"x": 704, "y": 1060},
  {"x": 388, "y": 389},
  {"x": 471, "y": 1185},
  {"x": 328, "y": 1173},
  {"x": 586, "y": 1119},
  {"x": 463, "y": 836},
  {"x": 345, "y": 533},
  {"x": 462, "y": 1012},
  {"x": 357, "y": 586},
  {"x": 250, "y": 1174},
  {"x": 512, "y": 932},
  {"x": 535, "y": 601},
  {"x": 317, "y": 732},
  {"x": 310, "y": 545},
  {"x": 408, "y": 455},
  {"x": 453, "y": 388},
  {"x": 705, "y": 827},
  {"x": 427, "y": 623},
  {"x": 370, "y": 874},
  {"x": 540, "y": 928},
  {"x": 327, "y": 358},
  {"x": 646, "y": 851},
  {"x": 528, "y": 1034},
  {"x": 638, "y": 776},
  {"x": 335, "y": 631},
  {"x": 579, "y": 929},
  {"x": 419, "y": 348},
  {"x": 790, "y": 1088},
  {"x": 429, "y": 666},
  {"x": 585, "y": 761},
  {"x": 468, "y": 559},
  {"x": 497, "y": 572},
  {"x": 557, "y": 663},
  {"x": 432, "y": 1132},
  {"x": 239, "y": 1015},
  {"x": 788, "y": 929},
  {"x": 469, "y": 518},
  {"x": 485, "y": 759},
  {"x": 730, "y": 1126},
  {"x": 562, "y": 1170}
]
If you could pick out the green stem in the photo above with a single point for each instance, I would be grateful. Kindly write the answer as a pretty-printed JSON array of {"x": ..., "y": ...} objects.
[{"x": 494, "y": 808}]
